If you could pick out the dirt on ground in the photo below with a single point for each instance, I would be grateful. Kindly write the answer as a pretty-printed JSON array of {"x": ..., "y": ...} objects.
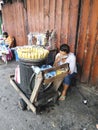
[{"x": 71, "y": 114}]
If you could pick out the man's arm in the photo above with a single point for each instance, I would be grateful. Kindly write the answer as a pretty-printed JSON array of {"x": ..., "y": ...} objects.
[
  {"x": 57, "y": 60},
  {"x": 72, "y": 65}
]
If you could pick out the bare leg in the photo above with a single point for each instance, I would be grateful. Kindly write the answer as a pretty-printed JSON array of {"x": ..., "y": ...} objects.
[{"x": 65, "y": 88}]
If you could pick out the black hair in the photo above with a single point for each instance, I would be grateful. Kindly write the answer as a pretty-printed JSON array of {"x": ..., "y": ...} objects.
[
  {"x": 65, "y": 48},
  {"x": 5, "y": 34}
]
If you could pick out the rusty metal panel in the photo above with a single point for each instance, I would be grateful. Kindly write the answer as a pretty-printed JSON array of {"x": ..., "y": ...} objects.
[
  {"x": 90, "y": 38},
  {"x": 73, "y": 16}
]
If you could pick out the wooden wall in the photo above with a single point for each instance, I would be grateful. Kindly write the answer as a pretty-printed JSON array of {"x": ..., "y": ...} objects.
[
  {"x": 61, "y": 15},
  {"x": 14, "y": 20},
  {"x": 74, "y": 20},
  {"x": 42, "y": 15},
  {"x": 87, "y": 48}
]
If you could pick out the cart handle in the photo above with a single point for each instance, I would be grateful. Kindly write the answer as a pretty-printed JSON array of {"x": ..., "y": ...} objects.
[{"x": 66, "y": 65}]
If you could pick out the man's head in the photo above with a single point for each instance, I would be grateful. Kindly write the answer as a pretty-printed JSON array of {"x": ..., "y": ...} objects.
[{"x": 64, "y": 49}]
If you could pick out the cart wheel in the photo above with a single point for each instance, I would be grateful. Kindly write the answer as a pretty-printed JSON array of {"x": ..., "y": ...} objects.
[{"x": 22, "y": 104}]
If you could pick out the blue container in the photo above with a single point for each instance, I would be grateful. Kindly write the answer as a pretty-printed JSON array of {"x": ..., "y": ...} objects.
[{"x": 16, "y": 55}]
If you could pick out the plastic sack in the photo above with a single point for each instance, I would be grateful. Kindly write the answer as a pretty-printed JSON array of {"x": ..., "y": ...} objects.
[
  {"x": 30, "y": 36},
  {"x": 17, "y": 74}
]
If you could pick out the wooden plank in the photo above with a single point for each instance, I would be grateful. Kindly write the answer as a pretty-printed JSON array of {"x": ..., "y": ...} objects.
[
  {"x": 36, "y": 15},
  {"x": 65, "y": 21},
  {"x": 10, "y": 19},
  {"x": 57, "y": 77},
  {"x": 73, "y": 16},
  {"x": 28, "y": 13},
  {"x": 22, "y": 95},
  {"x": 46, "y": 15},
  {"x": 20, "y": 24},
  {"x": 58, "y": 20},
  {"x": 66, "y": 66},
  {"x": 6, "y": 17},
  {"x": 57, "y": 83},
  {"x": 18, "y": 30},
  {"x": 16, "y": 8},
  {"x": 41, "y": 16},
  {"x": 32, "y": 16},
  {"x": 38, "y": 81},
  {"x": 14, "y": 22},
  {"x": 7, "y": 27},
  {"x": 82, "y": 30},
  {"x": 94, "y": 70},
  {"x": 24, "y": 25},
  {"x": 89, "y": 50},
  {"x": 52, "y": 15}
]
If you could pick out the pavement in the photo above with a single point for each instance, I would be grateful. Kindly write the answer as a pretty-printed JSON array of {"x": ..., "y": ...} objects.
[{"x": 71, "y": 114}]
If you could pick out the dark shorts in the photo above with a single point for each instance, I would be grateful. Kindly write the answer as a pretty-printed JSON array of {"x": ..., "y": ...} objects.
[{"x": 68, "y": 78}]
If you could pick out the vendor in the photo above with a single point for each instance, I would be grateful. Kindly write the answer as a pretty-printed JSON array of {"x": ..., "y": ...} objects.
[
  {"x": 5, "y": 47},
  {"x": 65, "y": 56},
  {"x": 8, "y": 40}
]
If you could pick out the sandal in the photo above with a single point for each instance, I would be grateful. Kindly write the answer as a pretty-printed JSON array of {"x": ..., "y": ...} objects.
[{"x": 62, "y": 98}]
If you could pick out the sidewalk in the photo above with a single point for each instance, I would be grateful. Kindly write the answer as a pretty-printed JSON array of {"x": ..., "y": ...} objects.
[{"x": 71, "y": 114}]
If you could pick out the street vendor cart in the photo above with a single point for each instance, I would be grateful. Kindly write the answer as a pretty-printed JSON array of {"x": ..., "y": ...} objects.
[
  {"x": 39, "y": 81},
  {"x": 42, "y": 87}
]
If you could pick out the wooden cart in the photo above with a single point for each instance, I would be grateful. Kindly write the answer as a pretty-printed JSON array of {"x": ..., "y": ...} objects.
[{"x": 39, "y": 80}]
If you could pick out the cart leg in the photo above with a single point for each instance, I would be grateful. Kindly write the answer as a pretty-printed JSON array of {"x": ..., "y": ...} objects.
[
  {"x": 57, "y": 84},
  {"x": 38, "y": 81},
  {"x": 23, "y": 96}
]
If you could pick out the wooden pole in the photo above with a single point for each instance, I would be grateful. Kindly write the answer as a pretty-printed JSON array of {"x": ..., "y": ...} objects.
[{"x": 22, "y": 95}]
